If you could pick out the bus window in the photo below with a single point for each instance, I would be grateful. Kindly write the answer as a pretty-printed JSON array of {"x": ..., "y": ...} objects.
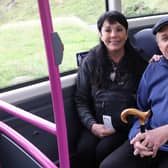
[
  {"x": 23, "y": 58},
  {"x": 22, "y": 50},
  {"x": 75, "y": 23},
  {"x": 132, "y": 8}
]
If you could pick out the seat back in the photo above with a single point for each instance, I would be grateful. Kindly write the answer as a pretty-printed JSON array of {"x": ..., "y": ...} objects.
[
  {"x": 80, "y": 56},
  {"x": 145, "y": 42},
  {"x": 17, "y": 151}
]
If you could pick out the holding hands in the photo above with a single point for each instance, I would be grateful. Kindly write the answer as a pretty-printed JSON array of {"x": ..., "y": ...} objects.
[{"x": 148, "y": 143}]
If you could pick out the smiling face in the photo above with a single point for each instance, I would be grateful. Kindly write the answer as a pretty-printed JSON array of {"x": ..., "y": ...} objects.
[
  {"x": 162, "y": 40},
  {"x": 113, "y": 36}
]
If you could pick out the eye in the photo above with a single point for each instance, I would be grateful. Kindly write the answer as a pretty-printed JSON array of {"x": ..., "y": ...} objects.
[
  {"x": 119, "y": 29},
  {"x": 164, "y": 39},
  {"x": 107, "y": 30}
]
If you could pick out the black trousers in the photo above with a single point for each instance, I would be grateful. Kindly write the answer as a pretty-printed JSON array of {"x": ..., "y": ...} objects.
[
  {"x": 123, "y": 157},
  {"x": 91, "y": 150}
]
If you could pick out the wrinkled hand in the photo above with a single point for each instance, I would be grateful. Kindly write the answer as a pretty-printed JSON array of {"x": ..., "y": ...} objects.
[
  {"x": 155, "y": 58},
  {"x": 140, "y": 148},
  {"x": 148, "y": 143},
  {"x": 101, "y": 131}
]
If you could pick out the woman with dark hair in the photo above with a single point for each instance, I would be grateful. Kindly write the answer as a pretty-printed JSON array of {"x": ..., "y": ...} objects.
[{"x": 106, "y": 84}]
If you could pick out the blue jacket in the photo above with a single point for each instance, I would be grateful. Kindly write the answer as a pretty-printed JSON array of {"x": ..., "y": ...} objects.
[{"x": 153, "y": 94}]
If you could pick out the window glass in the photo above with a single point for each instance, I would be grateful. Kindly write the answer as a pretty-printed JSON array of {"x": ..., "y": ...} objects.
[
  {"x": 22, "y": 50},
  {"x": 75, "y": 22},
  {"x": 132, "y": 8}
]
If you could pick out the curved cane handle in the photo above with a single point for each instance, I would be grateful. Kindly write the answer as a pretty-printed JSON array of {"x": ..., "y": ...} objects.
[{"x": 132, "y": 111}]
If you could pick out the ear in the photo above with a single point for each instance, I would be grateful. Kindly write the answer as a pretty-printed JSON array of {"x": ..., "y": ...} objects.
[{"x": 99, "y": 34}]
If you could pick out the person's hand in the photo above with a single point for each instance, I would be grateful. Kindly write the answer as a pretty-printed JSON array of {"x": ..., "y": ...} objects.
[
  {"x": 155, "y": 58},
  {"x": 148, "y": 143},
  {"x": 139, "y": 147},
  {"x": 100, "y": 130}
]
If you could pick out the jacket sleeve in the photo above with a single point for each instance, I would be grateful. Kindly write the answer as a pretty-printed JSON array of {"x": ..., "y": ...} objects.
[{"x": 83, "y": 98}]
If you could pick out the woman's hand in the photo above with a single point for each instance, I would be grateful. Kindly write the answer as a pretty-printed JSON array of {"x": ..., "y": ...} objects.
[
  {"x": 155, "y": 58},
  {"x": 101, "y": 131},
  {"x": 148, "y": 143}
]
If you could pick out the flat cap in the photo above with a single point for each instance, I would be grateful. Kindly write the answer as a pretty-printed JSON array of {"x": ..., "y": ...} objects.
[{"x": 160, "y": 24}]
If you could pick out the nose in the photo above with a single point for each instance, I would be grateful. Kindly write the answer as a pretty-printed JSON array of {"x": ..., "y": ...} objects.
[{"x": 113, "y": 33}]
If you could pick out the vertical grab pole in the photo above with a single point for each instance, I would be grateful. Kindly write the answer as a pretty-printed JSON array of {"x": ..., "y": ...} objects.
[{"x": 56, "y": 92}]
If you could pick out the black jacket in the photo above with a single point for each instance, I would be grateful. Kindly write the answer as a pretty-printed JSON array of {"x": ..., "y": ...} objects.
[{"x": 93, "y": 101}]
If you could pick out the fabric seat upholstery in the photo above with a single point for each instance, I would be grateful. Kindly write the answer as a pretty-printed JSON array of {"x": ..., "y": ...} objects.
[{"x": 145, "y": 42}]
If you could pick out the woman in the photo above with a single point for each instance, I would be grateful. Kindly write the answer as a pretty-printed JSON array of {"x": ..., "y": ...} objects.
[
  {"x": 149, "y": 149},
  {"x": 106, "y": 84}
]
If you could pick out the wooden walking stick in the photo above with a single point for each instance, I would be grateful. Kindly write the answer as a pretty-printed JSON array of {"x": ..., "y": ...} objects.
[{"x": 140, "y": 114}]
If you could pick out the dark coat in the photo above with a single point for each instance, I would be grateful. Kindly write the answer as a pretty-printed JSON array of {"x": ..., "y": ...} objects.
[{"x": 110, "y": 99}]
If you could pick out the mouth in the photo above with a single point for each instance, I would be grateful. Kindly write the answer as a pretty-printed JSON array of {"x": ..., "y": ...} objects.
[{"x": 114, "y": 42}]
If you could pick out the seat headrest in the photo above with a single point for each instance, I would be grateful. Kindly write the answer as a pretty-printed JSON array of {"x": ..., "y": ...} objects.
[
  {"x": 80, "y": 56},
  {"x": 145, "y": 42}
]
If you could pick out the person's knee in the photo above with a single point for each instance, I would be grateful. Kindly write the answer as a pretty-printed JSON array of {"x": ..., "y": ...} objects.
[
  {"x": 111, "y": 161},
  {"x": 109, "y": 164},
  {"x": 104, "y": 164}
]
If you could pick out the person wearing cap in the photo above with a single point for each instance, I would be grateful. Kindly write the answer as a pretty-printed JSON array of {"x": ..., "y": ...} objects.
[
  {"x": 106, "y": 84},
  {"x": 149, "y": 149}
]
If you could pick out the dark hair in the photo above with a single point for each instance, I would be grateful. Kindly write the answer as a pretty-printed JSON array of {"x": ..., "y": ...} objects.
[
  {"x": 99, "y": 56},
  {"x": 102, "y": 63},
  {"x": 112, "y": 17}
]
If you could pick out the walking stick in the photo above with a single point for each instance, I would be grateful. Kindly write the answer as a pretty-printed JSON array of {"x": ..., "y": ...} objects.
[
  {"x": 140, "y": 114},
  {"x": 142, "y": 117}
]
